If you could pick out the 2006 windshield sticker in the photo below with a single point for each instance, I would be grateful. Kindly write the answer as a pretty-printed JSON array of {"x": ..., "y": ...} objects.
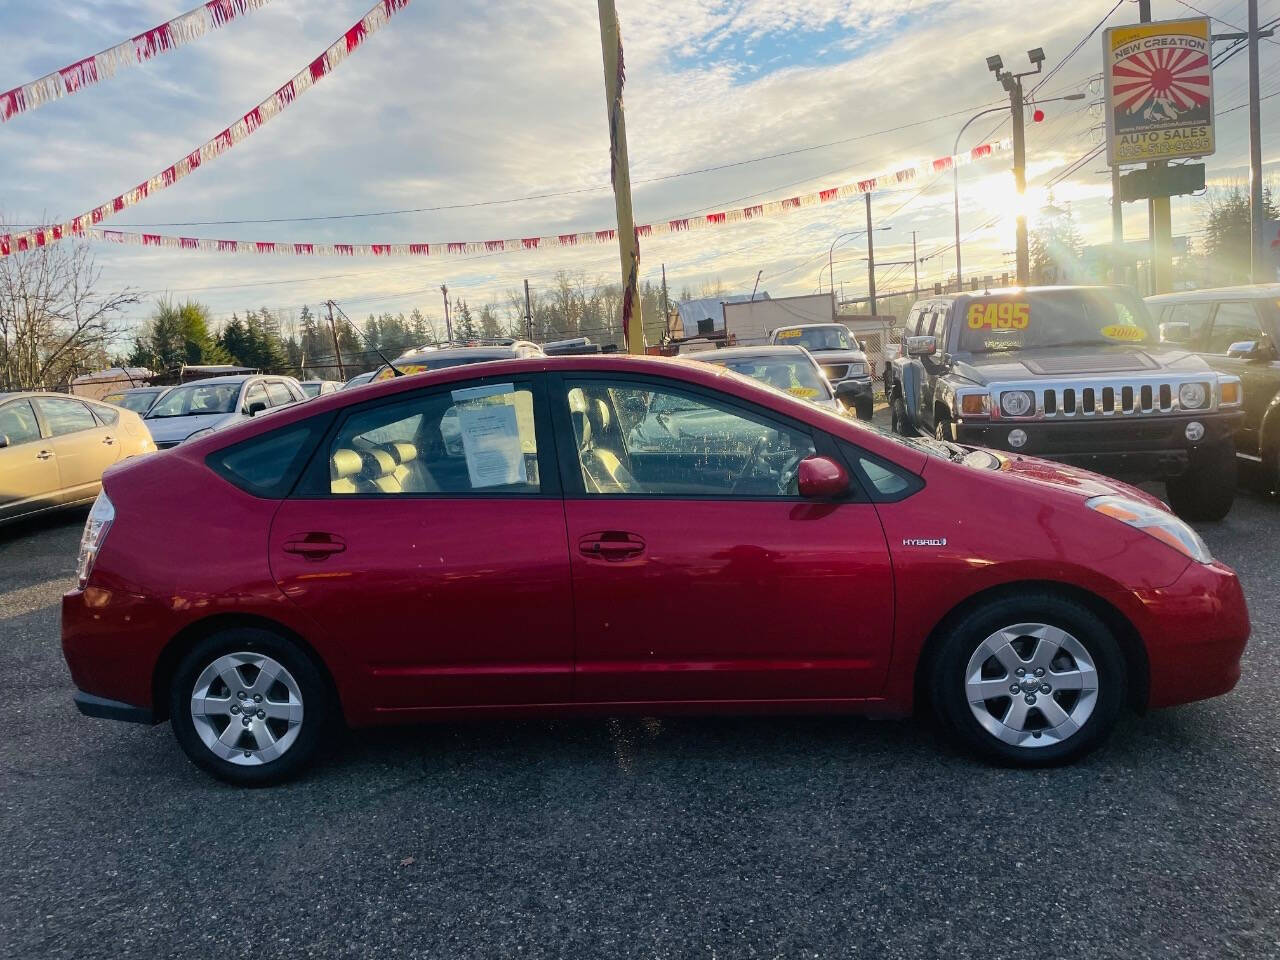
[
  {"x": 999, "y": 315},
  {"x": 1125, "y": 332}
]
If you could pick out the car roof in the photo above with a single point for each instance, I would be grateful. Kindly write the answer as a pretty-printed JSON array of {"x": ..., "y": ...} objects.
[
  {"x": 806, "y": 326},
  {"x": 747, "y": 353},
  {"x": 1252, "y": 291},
  {"x": 433, "y": 353},
  {"x": 28, "y": 394}
]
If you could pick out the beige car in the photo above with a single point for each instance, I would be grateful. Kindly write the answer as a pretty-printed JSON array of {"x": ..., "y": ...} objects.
[{"x": 54, "y": 448}]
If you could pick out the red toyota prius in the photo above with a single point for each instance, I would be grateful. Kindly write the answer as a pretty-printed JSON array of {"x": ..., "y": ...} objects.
[{"x": 613, "y": 534}]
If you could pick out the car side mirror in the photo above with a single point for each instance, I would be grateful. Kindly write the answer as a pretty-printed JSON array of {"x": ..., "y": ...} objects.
[
  {"x": 821, "y": 478},
  {"x": 257, "y": 407},
  {"x": 922, "y": 346},
  {"x": 4, "y": 440},
  {"x": 1175, "y": 332},
  {"x": 1252, "y": 350}
]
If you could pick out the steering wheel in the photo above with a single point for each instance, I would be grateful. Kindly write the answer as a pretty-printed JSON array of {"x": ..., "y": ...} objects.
[
  {"x": 789, "y": 471},
  {"x": 753, "y": 460}
]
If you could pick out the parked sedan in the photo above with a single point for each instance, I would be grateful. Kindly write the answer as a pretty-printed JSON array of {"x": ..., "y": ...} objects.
[
  {"x": 354, "y": 564},
  {"x": 137, "y": 399},
  {"x": 202, "y": 406},
  {"x": 789, "y": 369},
  {"x": 54, "y": 448}
]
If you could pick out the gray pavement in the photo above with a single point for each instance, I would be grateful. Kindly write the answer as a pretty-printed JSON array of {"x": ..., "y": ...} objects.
[{"x": 724, "y": 838}]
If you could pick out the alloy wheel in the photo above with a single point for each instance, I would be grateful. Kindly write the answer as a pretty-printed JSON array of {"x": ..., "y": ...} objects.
[
  {"x": 247, "y": 708},
  {"x": 1031, "y": 685}
]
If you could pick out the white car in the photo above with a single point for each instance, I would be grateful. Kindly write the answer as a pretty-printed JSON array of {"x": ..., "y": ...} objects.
[{"x": 203, "y": 406}]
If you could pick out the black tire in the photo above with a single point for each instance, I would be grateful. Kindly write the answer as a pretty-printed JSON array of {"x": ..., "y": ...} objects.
[
  {"x": 948, "y": 671},
  {"x": 898, "y": 416},
  {"x": 1208, "y": 488},
  {"x": 944, "y": 428},
  {"x": 866, "y": 409},
  {"x": 313, "y": 690}
]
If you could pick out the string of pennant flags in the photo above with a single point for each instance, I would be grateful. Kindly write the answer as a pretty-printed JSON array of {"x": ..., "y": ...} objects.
[
  {"x": 179, "y": 31},
  {"x": 775, "y": 208},
  {"x": 236, "y": 133}
]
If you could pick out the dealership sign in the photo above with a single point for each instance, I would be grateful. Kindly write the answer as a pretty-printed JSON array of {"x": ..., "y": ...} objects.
[{"x": 1159, "y": 91}]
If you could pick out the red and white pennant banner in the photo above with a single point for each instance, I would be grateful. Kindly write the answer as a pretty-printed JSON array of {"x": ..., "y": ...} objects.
[
  {"x": 188, "y": 28},
  {"x": 472, "y": 247},
  {"x": 304, "y": 80}
]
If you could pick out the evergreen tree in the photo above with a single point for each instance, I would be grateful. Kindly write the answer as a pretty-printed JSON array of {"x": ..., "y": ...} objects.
[
  {"x": 464, "y": 324},
  {"x": 1227, "y": 238},
  {"x": 177, "y": 334},
  {"x": 1055, "y": 253},
  {"x": 490, "y": 329}
]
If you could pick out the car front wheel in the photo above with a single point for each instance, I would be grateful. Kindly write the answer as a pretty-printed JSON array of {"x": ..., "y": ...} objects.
[
  {"x": 1032, "y": 680},
  {"x": 248, "y": 706},
  {"x": 1208, "y": 488}
]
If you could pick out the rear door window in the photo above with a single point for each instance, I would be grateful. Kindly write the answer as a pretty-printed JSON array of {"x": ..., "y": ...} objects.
[
  {"x": 1194, "y": 315},
  {"x": 279, "y": 394},
  {"x": 257, "y": 394},
  {"x": 65, "y": 416}
]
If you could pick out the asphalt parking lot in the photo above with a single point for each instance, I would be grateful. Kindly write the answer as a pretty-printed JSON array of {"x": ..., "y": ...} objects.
[{"x": 763, "y": 837}]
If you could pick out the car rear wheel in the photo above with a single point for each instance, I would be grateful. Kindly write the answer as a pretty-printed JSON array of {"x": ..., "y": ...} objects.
[
  {"x": 248, "y": 706},
  {"x": 1208, "y": 488},
  {"x": 944, "y": 428},
  {"x": 1030, "y": 681},
  {"x": 866, "y": 409},
  {"x": 898, "y": 416}
]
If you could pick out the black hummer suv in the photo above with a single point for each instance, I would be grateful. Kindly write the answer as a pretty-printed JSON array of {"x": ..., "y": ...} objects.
[{"x": 1074, "y": 374}]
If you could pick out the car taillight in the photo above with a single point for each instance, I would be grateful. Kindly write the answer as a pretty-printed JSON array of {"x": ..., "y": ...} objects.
[{"x": 95, "y": 533}]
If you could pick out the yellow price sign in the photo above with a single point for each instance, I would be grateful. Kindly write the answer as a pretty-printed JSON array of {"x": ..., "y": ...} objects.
[
  {"x": 999, "y": 315},
  {"x": 804, "y": 393},
  {"x": 1125, "y": 332},
  {"x": 789, "y": 334}
]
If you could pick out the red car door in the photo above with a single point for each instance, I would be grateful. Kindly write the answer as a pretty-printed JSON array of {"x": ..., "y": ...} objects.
[
  {"x": 428, "y": 537},
  {"x": 699, "y": 574}
]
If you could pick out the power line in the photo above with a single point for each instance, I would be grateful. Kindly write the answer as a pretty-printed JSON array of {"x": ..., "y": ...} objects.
[
  {"x": 1225, "y": 23},
  {"x": 558, "y": 193}
]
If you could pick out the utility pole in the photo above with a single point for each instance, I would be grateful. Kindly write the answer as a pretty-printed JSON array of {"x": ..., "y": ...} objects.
[
  {"x": 666, "y": 303},
  {"x": 337, "y": 350},
  {"x": 1117, "y": 225},
  {"x": 1159, "y": 212},
  {"x": 871, "y": 257},
  {"x": 1257, "y": 212},
  {"x": 628, "y": 244},
  {"x": 528, "y": 313},
  {"x": 759, "y": 274},
  {"x": 448, "y": 324},
  {"x": 1014, "y": 85},
  {"x": 915, "y": 268}
]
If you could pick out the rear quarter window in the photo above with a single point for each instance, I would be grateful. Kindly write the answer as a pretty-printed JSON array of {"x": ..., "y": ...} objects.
[{"x": 269, "y": 464}]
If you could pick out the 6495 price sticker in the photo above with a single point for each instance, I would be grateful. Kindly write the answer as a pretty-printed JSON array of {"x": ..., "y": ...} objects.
[{"x": 999, "y": 315}]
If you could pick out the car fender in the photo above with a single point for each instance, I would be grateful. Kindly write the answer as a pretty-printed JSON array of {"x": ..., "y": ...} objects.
[
  {"x": 1269, "y": 431},
  {"x": 908, "y": 375}
]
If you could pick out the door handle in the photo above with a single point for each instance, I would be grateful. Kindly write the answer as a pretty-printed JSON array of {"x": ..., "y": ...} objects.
[
  {"x": 611, "y": 546},
  {"x": 44, "y": 455},
  {"x": 109, "y": 440},
  {"x": 314, "y": 546}
]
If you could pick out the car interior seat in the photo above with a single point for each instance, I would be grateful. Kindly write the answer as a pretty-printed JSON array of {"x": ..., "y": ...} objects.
[{"x": 603, "y": 470}]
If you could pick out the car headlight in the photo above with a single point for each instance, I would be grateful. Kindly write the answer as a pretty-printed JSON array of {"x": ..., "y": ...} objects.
[
  {"x": 1161, "y": 524},
  {"x": 1017, "y": 403},
  {"x": 1193, "y": 396},
  {"x": 857, "y": 370},
  {"x": 95, "y": 533},
  {"x": 201, "y": 433}
]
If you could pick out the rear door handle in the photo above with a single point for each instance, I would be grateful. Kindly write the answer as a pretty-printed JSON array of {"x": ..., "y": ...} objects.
[
  {"x": 314, "y": 546},
  {"x": 108, "y": 440},
  {"x": 44, "y": 455},
  {"x": 611, "y": 545}
]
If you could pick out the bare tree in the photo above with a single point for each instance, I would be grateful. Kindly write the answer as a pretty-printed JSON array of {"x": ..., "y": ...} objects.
[{"x": 54, "y": 322}]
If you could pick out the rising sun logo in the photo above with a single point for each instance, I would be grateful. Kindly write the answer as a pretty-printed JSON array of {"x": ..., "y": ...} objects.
[{"x": 1162, "y": 83}]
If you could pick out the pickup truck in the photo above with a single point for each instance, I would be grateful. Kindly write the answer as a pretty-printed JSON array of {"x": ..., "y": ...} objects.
[{"x": 1073, "y": 374}]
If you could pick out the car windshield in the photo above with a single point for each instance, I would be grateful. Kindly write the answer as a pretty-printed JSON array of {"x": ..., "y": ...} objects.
[
  {"x": 1056, "y": 318},
  {"x": 197, "y": 400},
  {"x": 795, "y": 375},
  {"x": 137, "y": 402},
  {"x": 816, "y": 338}
]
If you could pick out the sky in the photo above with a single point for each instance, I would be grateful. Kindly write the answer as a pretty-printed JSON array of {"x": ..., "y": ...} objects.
[{"x": 469, "y": 105}]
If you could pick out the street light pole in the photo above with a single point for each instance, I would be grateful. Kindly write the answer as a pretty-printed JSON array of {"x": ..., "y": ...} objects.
[
  {"x": 1257, "y": 211},
  {"x": 955, "y": 170}
]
